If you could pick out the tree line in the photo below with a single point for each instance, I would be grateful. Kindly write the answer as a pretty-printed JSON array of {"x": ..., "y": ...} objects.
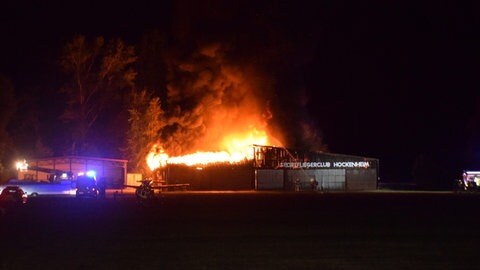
[{"x": 111, "y": 99}]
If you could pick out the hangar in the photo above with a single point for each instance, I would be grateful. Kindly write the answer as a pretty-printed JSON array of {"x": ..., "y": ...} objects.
[
  {"x": 287, "y": 169},
  {"x": 113, "y": 171},
  {"x": 278, "y": 168}
]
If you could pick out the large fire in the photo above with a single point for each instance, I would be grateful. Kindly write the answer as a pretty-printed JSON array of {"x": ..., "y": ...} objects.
[
  {"x": 237, "y": 148},
  {"x": 216, "y": 111}
]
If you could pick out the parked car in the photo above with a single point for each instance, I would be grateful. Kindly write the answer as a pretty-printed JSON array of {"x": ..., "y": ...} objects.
[{"x": 13, "y": 194}]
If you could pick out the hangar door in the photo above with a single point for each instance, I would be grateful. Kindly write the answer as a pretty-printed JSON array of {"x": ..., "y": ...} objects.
[
  {"x": 361, "y": 179},
  {"x": 327, "y": 179},
  {"x": 269, "y": 179},
  {"x": 331, "y": 179}
]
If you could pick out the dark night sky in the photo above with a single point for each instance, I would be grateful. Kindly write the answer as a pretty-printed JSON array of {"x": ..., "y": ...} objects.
[{"x": 388, "y": 80}]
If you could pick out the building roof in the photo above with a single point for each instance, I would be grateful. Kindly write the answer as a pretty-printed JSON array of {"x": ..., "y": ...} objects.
[{"x": 80, "y": 157}]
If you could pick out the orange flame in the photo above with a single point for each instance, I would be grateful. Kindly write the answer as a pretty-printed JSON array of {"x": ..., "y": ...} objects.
[
  {"x": 237, "y": 148},
  {"x": 156, "y": 158}
]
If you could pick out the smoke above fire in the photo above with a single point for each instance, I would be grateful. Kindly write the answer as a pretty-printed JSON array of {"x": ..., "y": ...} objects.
[{"x": 215, "y": 111}]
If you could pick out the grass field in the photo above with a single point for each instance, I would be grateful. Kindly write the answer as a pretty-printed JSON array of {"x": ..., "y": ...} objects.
[{"x": 246, "y": 230}]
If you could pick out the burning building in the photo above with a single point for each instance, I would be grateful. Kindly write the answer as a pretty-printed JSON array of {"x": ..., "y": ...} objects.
[
  {"x": 275, "y": 168},
  {"x": 286, "y": 169},
  {"x": 217, "y": 132}
]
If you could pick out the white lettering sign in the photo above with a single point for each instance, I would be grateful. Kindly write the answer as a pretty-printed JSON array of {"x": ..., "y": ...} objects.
[
  {"x": 295, "y": 165},
  {"x": 311, "y": 165},
  {"x": 356, "y": 164}
]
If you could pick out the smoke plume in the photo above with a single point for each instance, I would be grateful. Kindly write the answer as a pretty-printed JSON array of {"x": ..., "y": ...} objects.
[
  {"x": 235, "y": 71},
  {"x": 210, "y": 100}
]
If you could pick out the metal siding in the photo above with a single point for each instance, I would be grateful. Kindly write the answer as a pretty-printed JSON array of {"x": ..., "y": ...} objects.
[
  {"x": 327, "y": 179},
  {"x": 113, "y": 177},
  {"x": 133, "y": 178},
  {"x": 269, "y": 179},
  {"x": 217, "y": 177},
  {"x": 111, "y": 171},
  {"x": 331, "y": 179},
  {"x": 302, "y": 176},
  {"x": 361, "y": 179}
]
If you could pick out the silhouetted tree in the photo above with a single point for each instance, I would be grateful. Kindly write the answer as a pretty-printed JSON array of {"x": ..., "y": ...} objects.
[
  {"x": 7, "y": 111},
  {"x": 146, "y": 121},
  {"x": 100, "y": 73},
  {"x": 32, "y": 124}
]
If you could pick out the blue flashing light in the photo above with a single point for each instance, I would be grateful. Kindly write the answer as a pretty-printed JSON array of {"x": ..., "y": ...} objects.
[{"x": 91, "y": 173}]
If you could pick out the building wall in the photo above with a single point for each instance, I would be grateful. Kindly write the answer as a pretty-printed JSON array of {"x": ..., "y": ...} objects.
[
  {"x": 269, "y": 179},
  {"x": 217, "y": 177},
  {"x": 327, "y": 179},
  {"x": 361, "y": 179},
  {"x": 246, "y": 178},
  {"x": 301, "y": 168},
  {"x": 276, "y": 168},
  {"x": 113, "y": 171},
  {"x": 133, "y": 179}
]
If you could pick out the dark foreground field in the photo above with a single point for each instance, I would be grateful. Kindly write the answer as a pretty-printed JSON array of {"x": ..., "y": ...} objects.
[{"x": 246, "y": 231}]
